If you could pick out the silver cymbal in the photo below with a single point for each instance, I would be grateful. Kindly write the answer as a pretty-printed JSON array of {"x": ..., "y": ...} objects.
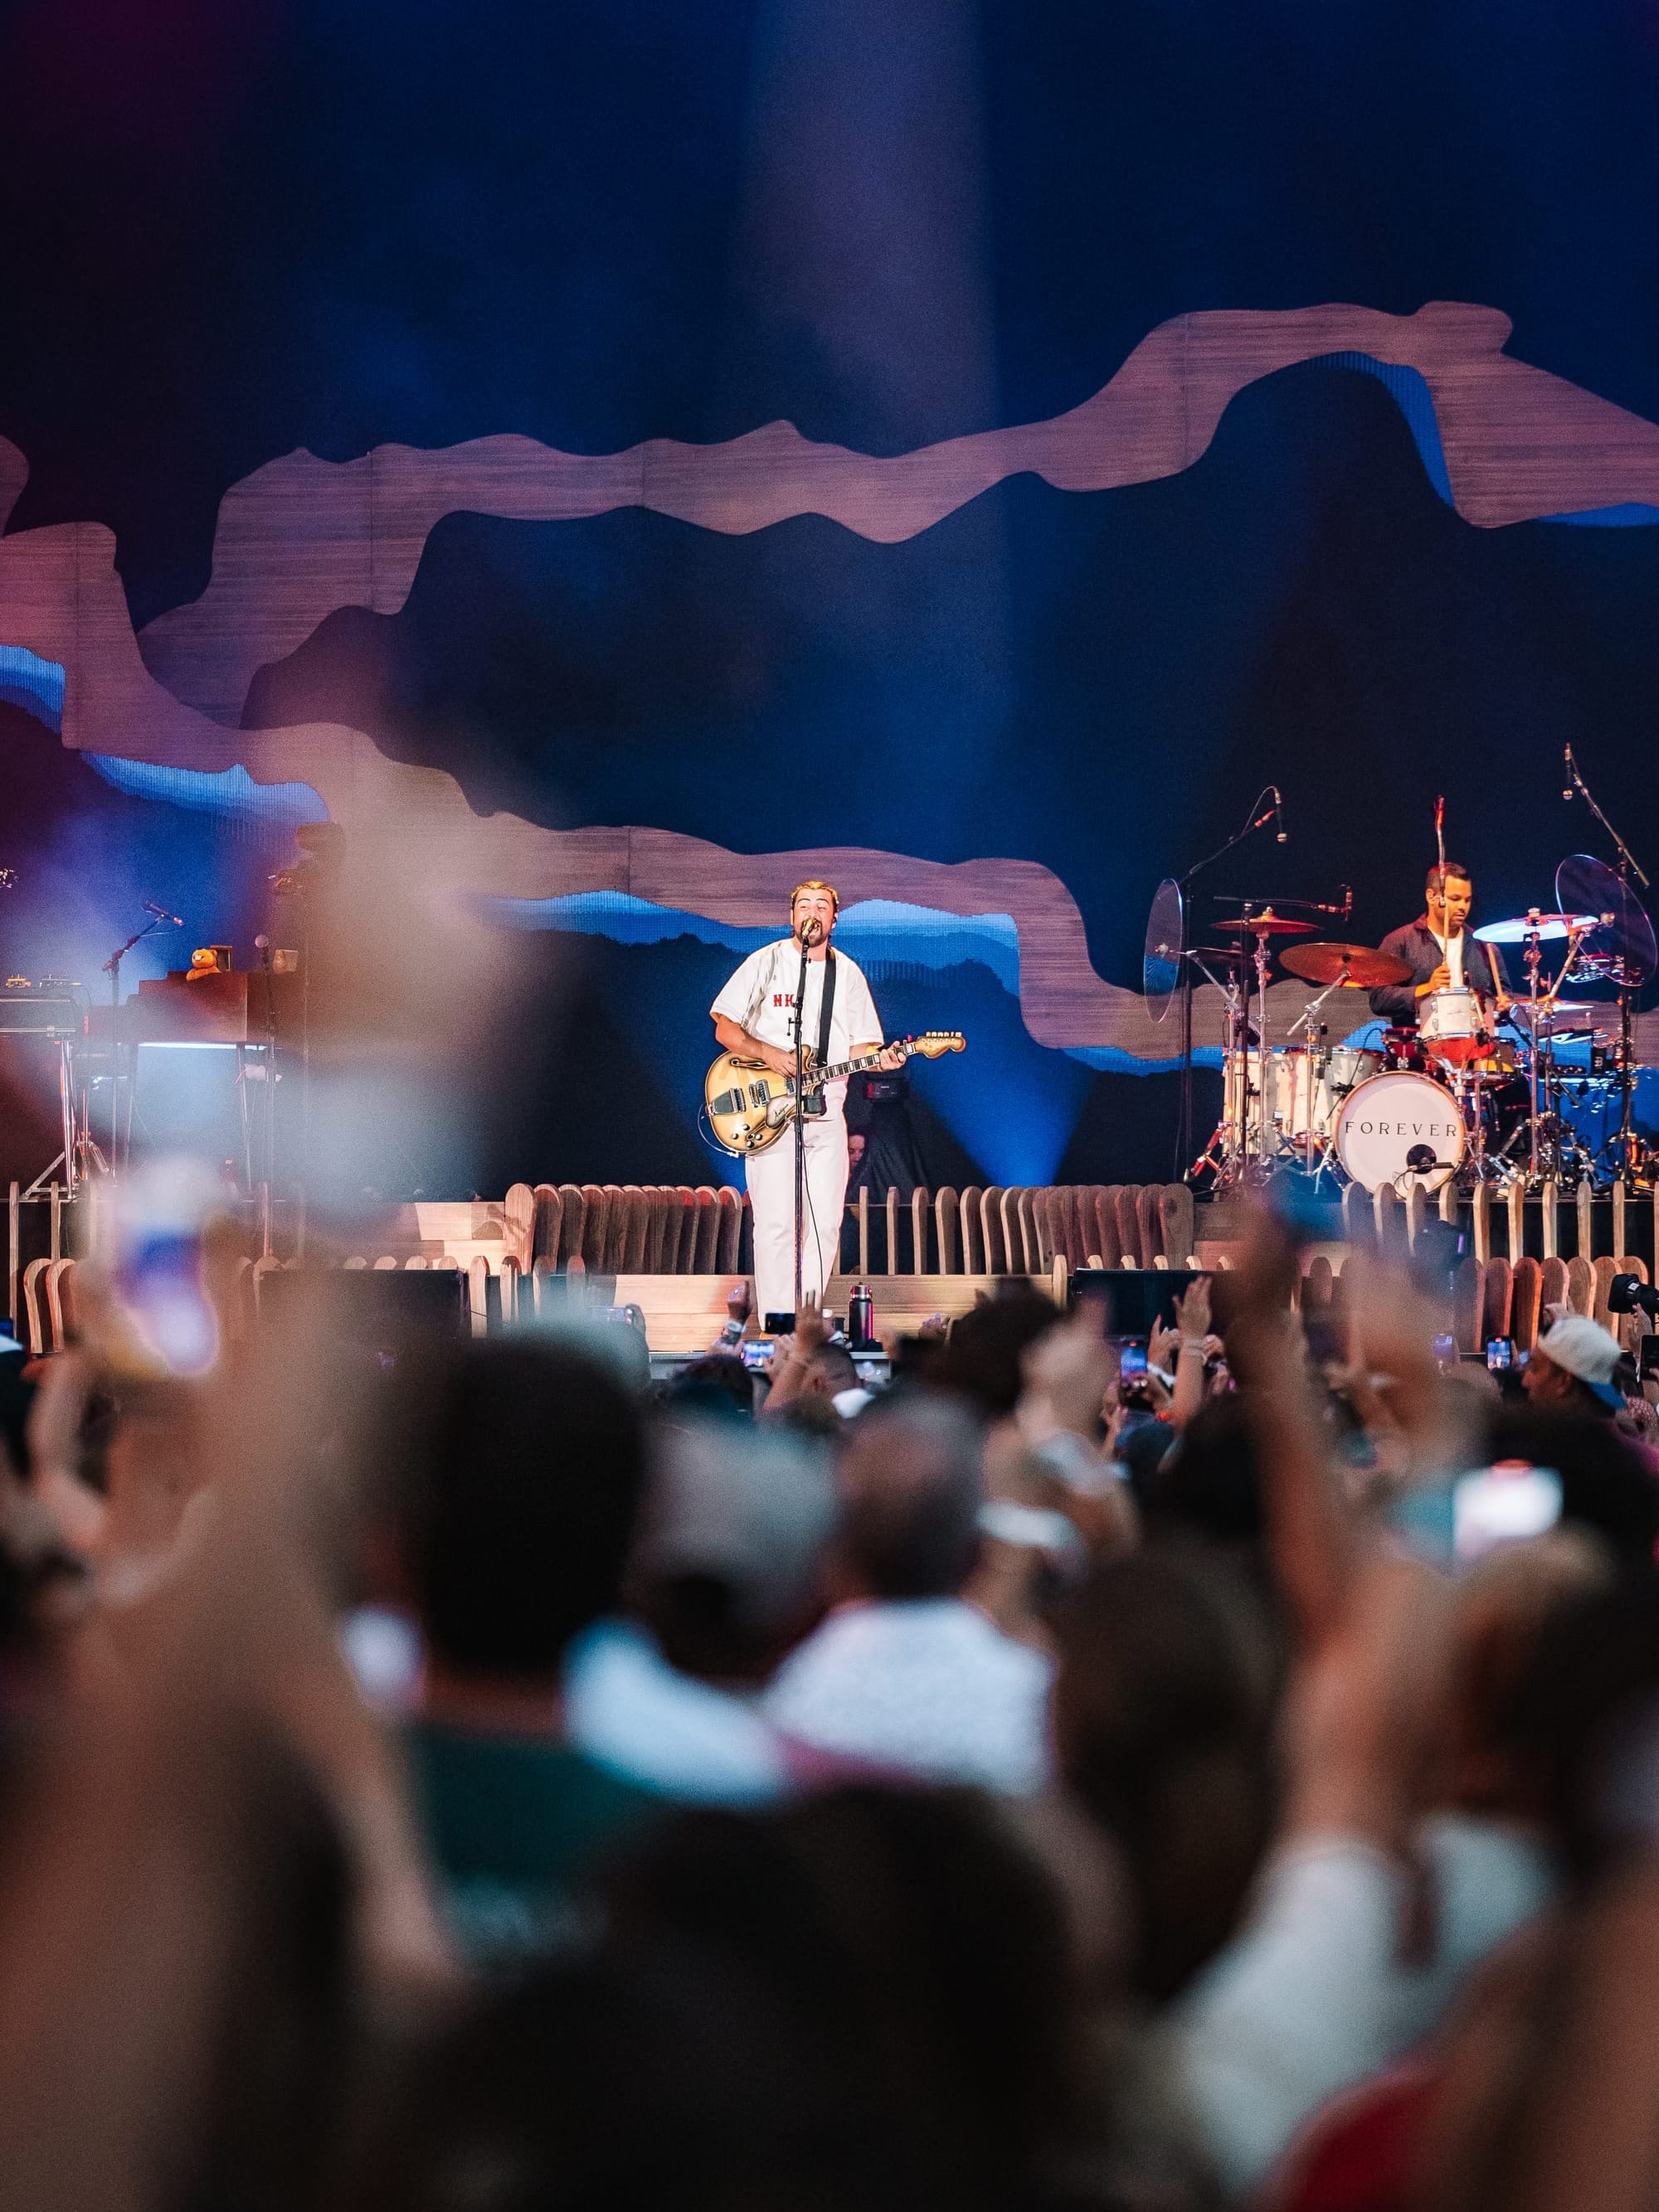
[{"x": 1524, "y": 926}]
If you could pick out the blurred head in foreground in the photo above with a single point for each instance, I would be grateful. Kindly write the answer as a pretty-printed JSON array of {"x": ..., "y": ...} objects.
[{"x": 517, "y": 1469}]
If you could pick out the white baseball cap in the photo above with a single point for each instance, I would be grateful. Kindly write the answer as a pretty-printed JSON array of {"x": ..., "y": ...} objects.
[{"x": 1586, "y": 1351}]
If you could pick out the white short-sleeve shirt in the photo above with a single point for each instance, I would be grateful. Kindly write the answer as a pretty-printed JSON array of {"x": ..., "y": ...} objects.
[
  {"x": 1451, "y": 951},
  {"x": 761, "y": 998}
]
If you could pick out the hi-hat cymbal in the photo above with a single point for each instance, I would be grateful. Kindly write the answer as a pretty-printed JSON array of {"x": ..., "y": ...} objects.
[
  {"x": 1541, "y": 925},
  {"x": 1268, "y": 924},
  {"x": 1356, "y": 967}
]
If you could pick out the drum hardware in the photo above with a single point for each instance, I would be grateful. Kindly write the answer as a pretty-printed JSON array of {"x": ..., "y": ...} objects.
[
  {"x": 1319, "y": 1106},
  {"x": 1167, "y": 968},
  {"x": 1624, "y": 952}
]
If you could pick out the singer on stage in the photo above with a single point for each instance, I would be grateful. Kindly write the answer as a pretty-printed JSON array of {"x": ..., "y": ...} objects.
[{"x": 755, "y": 1015}]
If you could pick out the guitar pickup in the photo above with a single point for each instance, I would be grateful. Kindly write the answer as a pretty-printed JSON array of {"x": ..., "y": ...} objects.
[{"x": 758, "y": 1095}]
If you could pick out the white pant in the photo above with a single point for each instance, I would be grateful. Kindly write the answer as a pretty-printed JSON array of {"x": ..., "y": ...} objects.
[{"x": 771, "y": 1178}]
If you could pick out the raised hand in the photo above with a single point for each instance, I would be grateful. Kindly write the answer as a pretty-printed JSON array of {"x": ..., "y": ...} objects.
[{"x": 1192, "y": 1311}]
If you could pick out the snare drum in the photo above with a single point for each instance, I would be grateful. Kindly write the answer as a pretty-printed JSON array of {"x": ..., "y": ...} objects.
[
  {"x": 1378, "y": 1125},
  {"x": 1449, "y": 1023}
]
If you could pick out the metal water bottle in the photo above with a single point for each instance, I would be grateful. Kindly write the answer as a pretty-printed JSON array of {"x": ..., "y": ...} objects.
[{"x": 860, "y": 1318}]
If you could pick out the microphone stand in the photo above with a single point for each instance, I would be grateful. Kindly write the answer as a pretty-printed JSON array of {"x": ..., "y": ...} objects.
[
  {"x": 112, "y": 969},
  {"x": 1184, "y": 1113},
  {"x": 800, "y": 1100},
  {"x": 1628, "y": 866}
]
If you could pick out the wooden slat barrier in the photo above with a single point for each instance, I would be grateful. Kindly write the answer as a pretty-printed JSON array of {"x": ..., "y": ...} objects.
[{"x": 667, "y": 1230}]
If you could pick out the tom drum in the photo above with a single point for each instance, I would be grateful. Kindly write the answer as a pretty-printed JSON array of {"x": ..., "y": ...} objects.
[{"x": 1449, "y": 1023}]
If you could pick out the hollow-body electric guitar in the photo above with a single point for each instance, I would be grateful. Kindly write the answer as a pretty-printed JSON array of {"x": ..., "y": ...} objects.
[{"x": 750, "y": 1107}]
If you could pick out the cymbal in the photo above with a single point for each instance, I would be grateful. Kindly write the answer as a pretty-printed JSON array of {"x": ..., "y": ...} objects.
[
  {"x": 1542, "y": 925},
  {"x": 1268, "y": 924},
  {"x": 1356, "y": 967}
]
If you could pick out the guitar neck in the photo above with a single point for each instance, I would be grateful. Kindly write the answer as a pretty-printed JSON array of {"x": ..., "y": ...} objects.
[{"x": 816, "y": 1075}]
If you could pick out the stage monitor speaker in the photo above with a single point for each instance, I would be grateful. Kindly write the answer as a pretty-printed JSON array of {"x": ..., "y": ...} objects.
[
  {"x": 31, "y": 1108},
  {"x": 381, "y": 1310},
  {"x": 1135, "y": 1298}
]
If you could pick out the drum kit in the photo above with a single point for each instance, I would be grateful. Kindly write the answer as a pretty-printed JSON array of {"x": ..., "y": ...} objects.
[{"x": 1469, "y": 1094}]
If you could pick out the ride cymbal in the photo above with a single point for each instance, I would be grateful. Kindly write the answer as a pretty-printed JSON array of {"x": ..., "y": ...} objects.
[{"x": 1356, "y": 967}]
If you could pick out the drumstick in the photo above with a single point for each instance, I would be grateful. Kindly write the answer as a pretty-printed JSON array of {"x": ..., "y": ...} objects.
[{"x": 1440, "y": 838}]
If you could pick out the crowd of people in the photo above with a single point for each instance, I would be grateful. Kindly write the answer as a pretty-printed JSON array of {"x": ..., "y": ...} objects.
[{"x": 463, "y": 1776}]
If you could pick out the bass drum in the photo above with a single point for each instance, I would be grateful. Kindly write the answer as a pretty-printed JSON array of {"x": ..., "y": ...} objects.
[{"x": 1380, "y": 1123}]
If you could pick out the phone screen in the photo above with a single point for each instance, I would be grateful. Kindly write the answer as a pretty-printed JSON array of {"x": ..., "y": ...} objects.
[
  {"x": 1451, "y": 1524},
  {"x": 1500, "y": 1353},
  {"x": 1132, "y": 1360},
  {"x": 1504, "y": 1503}
]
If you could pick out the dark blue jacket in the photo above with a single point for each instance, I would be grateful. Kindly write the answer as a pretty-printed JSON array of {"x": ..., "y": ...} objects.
[{"x": 1418, "y": 947}]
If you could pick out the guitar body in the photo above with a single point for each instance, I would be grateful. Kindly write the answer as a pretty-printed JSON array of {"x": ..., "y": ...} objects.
[{"x": 748, "y": 1107}]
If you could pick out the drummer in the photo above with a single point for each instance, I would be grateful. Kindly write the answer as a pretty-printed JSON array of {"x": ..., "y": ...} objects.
[{"x": 1440, "y": 952}]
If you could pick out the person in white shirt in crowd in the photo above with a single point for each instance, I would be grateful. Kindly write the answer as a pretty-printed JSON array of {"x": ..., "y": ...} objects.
[
  {"x": 725, "y": 1579},
  {"x": 905, "y": 1671},
  {"x": 755, "y": 1015}
]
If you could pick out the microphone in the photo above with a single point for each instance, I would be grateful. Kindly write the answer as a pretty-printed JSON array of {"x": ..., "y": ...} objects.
[
  {"x": 1566, "y": 772},
  {"x": 161, "y": 913},
  {"x": 808, "y": 933},
  {"x": 1278, "y": 809}
]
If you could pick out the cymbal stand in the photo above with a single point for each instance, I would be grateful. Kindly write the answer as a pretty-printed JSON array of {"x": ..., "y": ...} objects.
[
  {"x": 1533, "y": 958},
  {"x": 1258, "y": 963},
  {"x": 1304, "y": 1023},
  {"x": 1229, "y": 1132}
]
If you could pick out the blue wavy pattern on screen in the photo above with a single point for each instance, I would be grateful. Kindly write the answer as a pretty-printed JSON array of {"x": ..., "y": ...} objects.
[
  {"x": 889, "y": 939},
  {"x": 232, "y": 791},
  {"x": 886, "y": 937},
  {"x": 34, "y": 684}
]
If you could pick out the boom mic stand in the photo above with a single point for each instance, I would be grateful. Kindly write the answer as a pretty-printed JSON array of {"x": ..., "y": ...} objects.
[
  {"x": 1628, "y": 866},
  {"x": 112, "y": 969}
]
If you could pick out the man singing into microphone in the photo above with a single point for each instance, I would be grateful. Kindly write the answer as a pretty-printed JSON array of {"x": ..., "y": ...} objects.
[{"x": 755, "y": 1015}]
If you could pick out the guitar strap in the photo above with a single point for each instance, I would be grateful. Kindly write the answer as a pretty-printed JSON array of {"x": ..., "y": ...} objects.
[{"x": 816, "y": 1104}]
